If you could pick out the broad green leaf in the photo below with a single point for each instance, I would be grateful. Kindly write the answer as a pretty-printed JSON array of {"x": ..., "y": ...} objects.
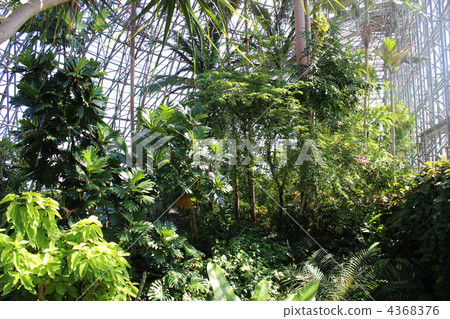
[
  {"x": 9, "y": 198},
  {"x": 7, "y": 288},
  {"x": 83, "y": 269},
  {"x": 27, "y": 283},
  {"x": 11, "y": 210},
  {"x": 41, "y": 240},
  {"x": 60, "y": 288},
  {"x": 29, "y": 197},
  {"x": 221, "y": 287},
  {"x": 4, "y": 254},
  {"x": 307, "y": 293},
  {"x": 261, "y": 292}
]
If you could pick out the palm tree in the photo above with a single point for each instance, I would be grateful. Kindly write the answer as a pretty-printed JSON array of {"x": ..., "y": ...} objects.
[
  {"x": 196, "y": 53},
  {"x": 275, "y": 27},
  {"x": 393, "y": 60}
]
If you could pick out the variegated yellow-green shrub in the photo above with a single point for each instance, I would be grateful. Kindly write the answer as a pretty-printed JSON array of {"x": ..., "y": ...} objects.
[{"x": 39, "y": 262}]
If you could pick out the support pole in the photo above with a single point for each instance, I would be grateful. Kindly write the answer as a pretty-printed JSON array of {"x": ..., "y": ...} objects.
[{"x": 132, "y": 77}]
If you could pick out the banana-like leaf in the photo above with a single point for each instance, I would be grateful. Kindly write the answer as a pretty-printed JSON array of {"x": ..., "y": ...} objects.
[
  {"x": 261, "y": 292},
  {"x": 307, "y": 293},
  {"x": 221, "y": 287}
]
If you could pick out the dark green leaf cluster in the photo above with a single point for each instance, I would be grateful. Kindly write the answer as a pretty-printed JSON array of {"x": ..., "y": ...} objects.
[
  {"x": 65, "y": 29},
  {"x": 11, "y": 180},
  {"x": 334, "y": 84},
  {"x": 63, "y": 107},
  {"x": 419, "y": 229},
  {"x": 188, "y": 184}
]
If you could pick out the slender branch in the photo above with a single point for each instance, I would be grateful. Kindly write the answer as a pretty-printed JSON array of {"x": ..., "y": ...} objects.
[
  {"x": 141, "y": 286},
  {"x": 22, "y": 14}
]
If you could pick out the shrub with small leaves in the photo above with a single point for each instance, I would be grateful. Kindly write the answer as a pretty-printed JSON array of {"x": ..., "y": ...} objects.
[
  {"x": 37, "y": 261},
  {"x": 247, "y": 260}
]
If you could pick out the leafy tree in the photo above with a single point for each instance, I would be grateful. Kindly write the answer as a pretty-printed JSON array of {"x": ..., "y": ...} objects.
[
  {"x": 392, "y": 60},
  {"x": 335, "y": 81},
  {"x": 192, "y": 183},
  {"x": 65, "y": 144},
  {"x": 271, "y": 42},
  {"x": 62, "y": 109},
  {"x": 69, "y": 31},
  {"x": 253, "y": 106},
  {"x": 350, "y": 188}
]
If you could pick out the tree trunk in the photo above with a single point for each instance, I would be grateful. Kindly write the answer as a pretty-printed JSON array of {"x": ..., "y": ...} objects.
[
  {"x": 366, "y": 39},
  {"x": 301, "y": 28},
  {"x": 228, "y": 47},
  {"x": 384, "y": 90},
  {"x": 279, "y": 184},
  {"x": 366, "y": 94},
  {"x": 247, "y": 42},
  {"x": 393, "y": 121},
  {"x": 192, "y": 221},
  {"x": 307, "y": 29},
  {"x": 41, "y": 290},
  {"x": 303, "y": 203},
  {"x": 22, "y": 14},
  {"x": 251, "y": 184},
  {"x": 210, "y": 170},
  {"x": 300, "y": 39},
  {"x": 237, "y": 205},
  {"x": 281, "y": 200},
  {"x": 141, "y": 286},
  {"x": 251, "y": 193}
]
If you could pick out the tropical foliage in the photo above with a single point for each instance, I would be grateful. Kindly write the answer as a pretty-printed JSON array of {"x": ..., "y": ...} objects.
[
  {"x": 418, "y": 226},
  {"x": 38, "y": 261},
  {"x": 255, "y": 185},
  {"x": 223, "y": 291}
]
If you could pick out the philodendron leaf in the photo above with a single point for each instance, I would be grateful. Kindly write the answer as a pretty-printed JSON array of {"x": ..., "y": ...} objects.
[
  {"x": 221, "y": 287},
  {"x": 307, "y": 293},
  {"x": 261, "y": 292}
]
